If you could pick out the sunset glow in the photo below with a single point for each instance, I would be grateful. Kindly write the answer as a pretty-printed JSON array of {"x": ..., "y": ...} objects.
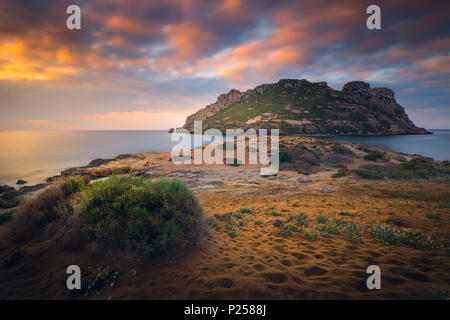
[{"x": 148, "y": 64}]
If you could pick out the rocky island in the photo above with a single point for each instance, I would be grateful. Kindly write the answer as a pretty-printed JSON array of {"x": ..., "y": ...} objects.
[{"x": 303, "y": 107}]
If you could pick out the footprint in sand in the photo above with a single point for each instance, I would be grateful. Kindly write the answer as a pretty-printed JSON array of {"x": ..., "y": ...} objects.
[
  {"x": 258, "y": 267},
  {"x": 418, "y": 277},
  {"x": 224, "y": 283},
  {"x": 274, "y": 277},
  {"x": 299, "y": 256},
  {"x": 315, "y": 271},
  {"x": 394, "y": 281},
  {"x": 286, "y": 263}
]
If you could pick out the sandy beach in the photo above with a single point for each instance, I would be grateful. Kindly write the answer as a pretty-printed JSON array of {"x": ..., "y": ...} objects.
[{"x": 248, "y": 250}]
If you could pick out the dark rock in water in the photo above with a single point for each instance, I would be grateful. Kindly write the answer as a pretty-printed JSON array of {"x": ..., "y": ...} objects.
[
  {"x": 98, "y": 162},
  {"x": 20, "y": 182},
  {"x": 71, "y": 172},
  {"x": 171, "y": 130},
  {"x": 12, "y": 198},
  {"x": 11, "y": 195},
  {"x": 123, "y": 156},
  {"x": 9, "y": 203},
  {"x": 36, "y": 187},
  {"x": 6, "y": 188}
]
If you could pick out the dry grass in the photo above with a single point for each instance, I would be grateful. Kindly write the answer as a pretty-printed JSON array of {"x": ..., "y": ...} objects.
[{"x": 31, "y": 218}]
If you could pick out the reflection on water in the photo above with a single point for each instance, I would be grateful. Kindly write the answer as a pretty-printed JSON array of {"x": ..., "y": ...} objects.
[{"x": 35, "y": 155}]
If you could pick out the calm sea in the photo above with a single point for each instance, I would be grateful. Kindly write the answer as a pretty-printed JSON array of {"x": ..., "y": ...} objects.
[
  {"x": 35, "y": 155},
  {"x": 436, "y": 145}
]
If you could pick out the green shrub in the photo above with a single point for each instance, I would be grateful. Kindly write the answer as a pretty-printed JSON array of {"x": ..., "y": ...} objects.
[
  {"x": 328, "y": 228},
  {"x": 246, "y": 210},
  {"x": 341, "y": 173},
  {"x": 284, "y": 157},
  {"x": 287, "y": 230},
  {"x": 322, "y": 219},
  {"x": 232, "y": 233},
  {"x": 390, "y": 234},
  {"x": 152, "y": 216},
  {"x": 374, "y": 155},
  {"x": 72, "y": 185},
  {"x": 310, "y": 235},
  {"x": 368, "y": 174},
  {"x": 300, "y": 219},
  {"x": 339, "y": 148}
]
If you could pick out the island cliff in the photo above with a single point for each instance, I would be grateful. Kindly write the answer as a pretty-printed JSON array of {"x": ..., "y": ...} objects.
[{"x": 303, "y": 107}]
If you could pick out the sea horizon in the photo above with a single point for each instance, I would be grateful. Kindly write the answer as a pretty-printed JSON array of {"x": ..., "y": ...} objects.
[{"x": 45, "y": 153}]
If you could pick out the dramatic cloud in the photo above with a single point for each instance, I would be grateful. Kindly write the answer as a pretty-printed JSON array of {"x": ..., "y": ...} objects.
[{"x": 146, "y": 64}]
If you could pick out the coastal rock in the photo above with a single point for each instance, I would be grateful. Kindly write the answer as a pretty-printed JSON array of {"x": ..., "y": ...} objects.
[
  {"x": 13, "y": 197},
  {"x": 303, "y": 107},
  {"x": 223, "y": 101},
  {"x": 6, "y": 188},
  {"x": 21, "y": 182}
]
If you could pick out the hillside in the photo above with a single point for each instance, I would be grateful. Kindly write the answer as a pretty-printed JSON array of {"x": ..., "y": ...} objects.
[{"x": 303, "y": 107}]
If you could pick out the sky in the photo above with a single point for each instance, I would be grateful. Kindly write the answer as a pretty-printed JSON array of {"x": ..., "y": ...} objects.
[{"x": 147, "y": 64}]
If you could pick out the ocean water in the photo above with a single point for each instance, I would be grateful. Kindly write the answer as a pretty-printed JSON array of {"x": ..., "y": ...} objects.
[
  {"x": 35, "y": 155},
  {"x": 436, "y": 145}
]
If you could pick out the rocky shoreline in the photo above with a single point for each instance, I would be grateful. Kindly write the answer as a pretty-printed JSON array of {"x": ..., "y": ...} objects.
[
  {"x": 305, "y": 233},
  {"x": 155, "y": 164}
]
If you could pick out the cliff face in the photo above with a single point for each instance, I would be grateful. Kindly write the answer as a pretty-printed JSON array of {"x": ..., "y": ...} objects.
[{"x": 303, "y": 107}]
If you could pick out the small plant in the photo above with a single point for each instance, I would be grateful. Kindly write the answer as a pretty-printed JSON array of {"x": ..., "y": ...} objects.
[
  {"x": 238, "y": 216},
  {"x": 287, "y": 230},
  {"x": 300, "y": 219},
  {"x": 246, "y": 210},
  {"x": 284, "y": 157},
  {"x": 328, "y": 229},
  {"x": 215, "y": 223},
  {"x": 368, "y": 174},
  {"x": 274, "y": 213},
  {"x": 338, "y": 148},
  {"x": 322, "y": 219},
  {"x": 341, "y": 173},
  {"x": 374, "y": 155},
  {"x": 233, "y": 233},
  {"x": 390, "y": 234},
  {"x": 310, "y": 235}
]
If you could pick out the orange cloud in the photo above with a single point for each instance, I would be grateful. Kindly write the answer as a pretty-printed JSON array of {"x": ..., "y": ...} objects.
[{"x": 188, "y": 39}]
